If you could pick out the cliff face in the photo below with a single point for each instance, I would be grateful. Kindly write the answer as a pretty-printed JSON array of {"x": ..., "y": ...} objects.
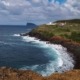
[{"x": 13, "y": 74}]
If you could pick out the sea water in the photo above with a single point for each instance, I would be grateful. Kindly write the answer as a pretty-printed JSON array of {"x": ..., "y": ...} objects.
[{"x": 30, "y": 53}]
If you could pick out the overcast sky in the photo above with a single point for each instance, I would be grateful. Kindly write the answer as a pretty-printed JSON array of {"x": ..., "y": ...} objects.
[{"x": 37, "y": 11}]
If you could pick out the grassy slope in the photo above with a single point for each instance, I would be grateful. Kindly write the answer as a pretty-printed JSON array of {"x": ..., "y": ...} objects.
[{"x": 69, "y": 31}]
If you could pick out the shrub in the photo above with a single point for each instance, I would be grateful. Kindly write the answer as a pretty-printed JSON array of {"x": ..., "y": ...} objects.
[{"x": 75, "y": 36}]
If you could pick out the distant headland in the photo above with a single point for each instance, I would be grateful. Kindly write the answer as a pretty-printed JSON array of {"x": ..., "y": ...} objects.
[{"x": 31, "y": 25}]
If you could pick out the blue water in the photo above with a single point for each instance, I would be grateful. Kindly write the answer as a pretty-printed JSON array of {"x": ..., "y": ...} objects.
[{"x": 17, "y": 53}]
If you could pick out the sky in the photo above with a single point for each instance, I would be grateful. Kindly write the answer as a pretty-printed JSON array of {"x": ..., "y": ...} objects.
[{"x": 19, "y": 12}]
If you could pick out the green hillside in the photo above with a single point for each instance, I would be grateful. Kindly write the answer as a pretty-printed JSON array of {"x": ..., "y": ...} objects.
[{"x": 69, "y": 29}]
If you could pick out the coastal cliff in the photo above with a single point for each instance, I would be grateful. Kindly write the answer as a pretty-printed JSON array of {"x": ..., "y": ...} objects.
[{"x": 64, "y": 32}]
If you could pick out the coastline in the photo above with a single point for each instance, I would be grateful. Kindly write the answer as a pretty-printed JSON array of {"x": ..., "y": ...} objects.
[
  {"x": 63, "y": 62},
  {"x": 72, "y": 47}
]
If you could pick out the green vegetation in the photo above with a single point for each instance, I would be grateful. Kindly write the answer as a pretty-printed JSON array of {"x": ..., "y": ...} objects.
[
  {"x": 75, "y": 36},
  {"x": 70, "y": 21},
  {"x": 70, "y": 30},
  {"x": 66, "y": 33}
]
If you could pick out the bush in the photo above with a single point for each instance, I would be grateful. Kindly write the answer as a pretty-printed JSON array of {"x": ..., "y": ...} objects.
[
  {"x": 46, "y": 34},
  {"x": 75, "y": 36}
]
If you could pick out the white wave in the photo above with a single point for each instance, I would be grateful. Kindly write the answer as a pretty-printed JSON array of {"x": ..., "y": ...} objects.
[
  {"x": 9, "y": 43},
  {"x": 16, "y": 35},
  {"x": 62, "y": 62},
  {"x": 2, "y": 42}
]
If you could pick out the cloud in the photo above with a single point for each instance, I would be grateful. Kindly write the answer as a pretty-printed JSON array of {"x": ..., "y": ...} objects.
[
  {"x": 36, "y": 1},
  {"x": 38, "y": 11}
]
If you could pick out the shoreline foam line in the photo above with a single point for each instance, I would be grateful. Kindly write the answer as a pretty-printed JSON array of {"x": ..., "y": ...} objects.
[{"x": 63, "y": 62}]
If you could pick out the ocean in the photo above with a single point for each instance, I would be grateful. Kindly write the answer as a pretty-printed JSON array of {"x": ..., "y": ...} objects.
[{"x": 29, "y": 53}]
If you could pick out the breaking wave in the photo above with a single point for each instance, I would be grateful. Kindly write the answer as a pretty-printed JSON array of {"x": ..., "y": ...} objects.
[
  {"x": 16, "y": 35},
  {"x": 62, "y": 62}
]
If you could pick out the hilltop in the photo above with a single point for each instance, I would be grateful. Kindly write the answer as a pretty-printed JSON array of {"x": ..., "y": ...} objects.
[{"x": 70, "y": 21}]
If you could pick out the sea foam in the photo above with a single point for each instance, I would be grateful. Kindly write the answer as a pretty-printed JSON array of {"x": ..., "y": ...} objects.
[
  {"x": 16, "y": 35},
  {"x": 63, "y": 61}
]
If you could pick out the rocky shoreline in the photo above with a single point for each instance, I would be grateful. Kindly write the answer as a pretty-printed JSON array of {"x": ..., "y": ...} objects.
[{"x": 72, "y": 47}]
